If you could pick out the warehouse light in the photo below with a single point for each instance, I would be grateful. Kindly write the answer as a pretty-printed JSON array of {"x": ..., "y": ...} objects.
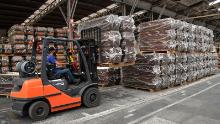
[
  {"x": 214, "y": 2},
  {"x": 219, "y": 9}
]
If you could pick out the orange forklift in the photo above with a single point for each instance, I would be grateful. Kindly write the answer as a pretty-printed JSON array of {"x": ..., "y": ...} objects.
[{"x": 39, "y": 93}]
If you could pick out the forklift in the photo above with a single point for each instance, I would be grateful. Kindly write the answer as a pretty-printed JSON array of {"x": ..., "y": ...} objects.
[{"x": 37, "y": 94}]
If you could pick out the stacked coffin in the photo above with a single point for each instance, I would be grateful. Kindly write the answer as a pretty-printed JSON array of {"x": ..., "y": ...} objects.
[
  {"x": 16, "y": 34},
  {"x": 108, "y": 76},
  {"x": 111, "y": 51},
  {"x": 183, "y": 52},
  {"x": 128, "y": 39},
  {"x": 61, "y": 33},
  {"x": 40, "y": 32},
  {"x": 6, "y": 84}
]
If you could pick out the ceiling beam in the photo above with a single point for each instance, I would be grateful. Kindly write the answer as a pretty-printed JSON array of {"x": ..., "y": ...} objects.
[{"x": 147, "y": 6}]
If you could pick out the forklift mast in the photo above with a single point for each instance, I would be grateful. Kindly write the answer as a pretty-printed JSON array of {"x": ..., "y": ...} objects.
[{"x": 90, "y": 42}]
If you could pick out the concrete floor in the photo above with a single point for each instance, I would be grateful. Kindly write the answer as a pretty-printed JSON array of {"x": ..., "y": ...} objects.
[{"x": 196, "y": 103}]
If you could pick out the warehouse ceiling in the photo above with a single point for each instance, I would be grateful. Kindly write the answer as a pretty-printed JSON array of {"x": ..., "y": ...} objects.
[
  {"x": 12, "y": 12},
  {"x": 16, "y": 11}
]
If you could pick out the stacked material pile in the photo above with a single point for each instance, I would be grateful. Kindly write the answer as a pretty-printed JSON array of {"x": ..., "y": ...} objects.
[
  {"x": 188, "y": 55},
  {"x": 6, "y": 49},
  {"x": 4, "y": 63},
  {"x": 6, "y": 84},
  {"x": 128, "y": 39},
  {"x": 154, "y": 71},
  {"x": 17, "y": 39},
  {"x": 108, "y": 76},
  {"x": 111, "y": 51},
  {"x": 50, "y": 32},
  {"x": 16, "y": 34},
  {"x": 40, "y": 32},
  {"x": 29, "y": 33},
  {"x": 61, "y": 33}
]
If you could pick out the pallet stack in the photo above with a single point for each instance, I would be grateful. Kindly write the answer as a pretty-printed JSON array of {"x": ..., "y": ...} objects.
[
  {"x": 108, "y": 76},
  {"x": 60, "y": 33},
  {"x": 184, "y": 53},
  {"x": 5, "y": 51},
  {"x": 111, "y": 51},
  {"x": 117, "y": 44},
  {"x": 117, "y": 38},
  {"x": 128, "y": 39},
  {"x": 19, "y": 45},
  {"x": 6, "y": 85},
  {"x": 217, "y": 45}
]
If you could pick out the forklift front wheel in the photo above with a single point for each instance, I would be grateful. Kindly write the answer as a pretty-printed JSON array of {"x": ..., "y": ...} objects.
[
  {"x": 91, "y": 97},
  {"x": 38, "y": 110}
]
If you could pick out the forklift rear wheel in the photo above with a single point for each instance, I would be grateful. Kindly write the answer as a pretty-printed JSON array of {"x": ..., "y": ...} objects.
[
  {"x": 91, "y": 97},
  {"x": 38, "y": 110}
]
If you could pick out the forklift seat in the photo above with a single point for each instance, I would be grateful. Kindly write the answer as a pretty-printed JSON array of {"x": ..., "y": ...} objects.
[{"x": 49, "y": 69}]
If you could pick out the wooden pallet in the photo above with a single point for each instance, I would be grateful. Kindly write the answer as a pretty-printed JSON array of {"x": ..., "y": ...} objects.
[
  {"x": 116, "y": 65},
  {"x": 152, "y": 49},
  {"x": 141, "y": 88},
  {"x": 155, "y": 51}
]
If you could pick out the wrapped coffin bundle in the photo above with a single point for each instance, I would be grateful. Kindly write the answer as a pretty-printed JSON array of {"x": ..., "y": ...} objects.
[
  {"x": 111, "y": 51},
  {"x": 127, "y": 28},
  {"x": 4, "y": 69},
  {"x": 1, "y": 48},
  {"x": 17, "y": 38},
  {"x": 60, "y": 49},
  {"x": 50, "y": 32},
  {"x": 20, "y": 49},
  {"x": 16, "y": 29},
  {"x": 158, "y": 35},
  {"x": 7, "y": 49},
  {"x": 16, "y": 59},
  {"x": 4, "y": 60},
  {"x": 148, "y": 72},
  {"x": 3, "y": 40},
  {"x": 40, "y": 32},
  {"x": 105, "y": 23},
  {"x": 29, "y": 30},
  {"x": 128, "y": 46},
  {"x": 16, "y": 33},
  {"x": 108, "y": 76},
  {"x": 29, "y": 48},
  {"x": 60, "y": 33},
  {"x": 29, "y": 33},
  {"x": 148, "y": 59}
]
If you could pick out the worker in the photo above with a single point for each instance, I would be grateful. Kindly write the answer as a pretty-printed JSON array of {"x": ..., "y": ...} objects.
[{"x": 58, "y": 71}]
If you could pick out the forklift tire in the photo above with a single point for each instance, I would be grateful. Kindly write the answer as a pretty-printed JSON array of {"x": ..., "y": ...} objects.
[
  {"x": 91, "y": 97},
  {"x": 38, "y": 110}
]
